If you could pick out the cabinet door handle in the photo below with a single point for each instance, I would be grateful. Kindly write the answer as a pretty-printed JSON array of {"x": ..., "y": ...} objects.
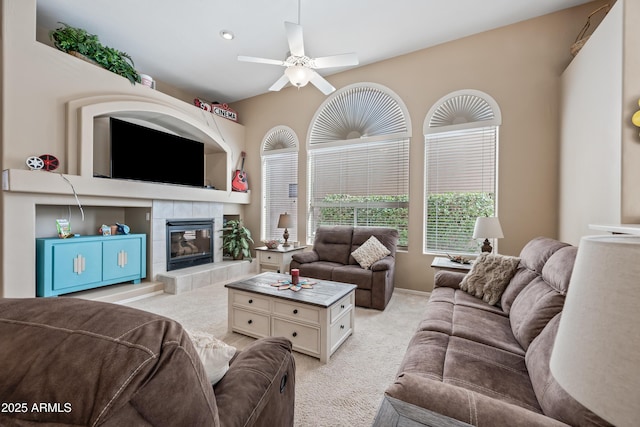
[
  {"x": 79, "y": 264},
  {"x": 122, "y": 259},
  {"x": 341, "y": 305}
]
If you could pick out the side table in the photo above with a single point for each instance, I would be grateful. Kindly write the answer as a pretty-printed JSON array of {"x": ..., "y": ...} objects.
[
  {"x": 276, "y": 260},
  {"x": 443, "y": 263}
]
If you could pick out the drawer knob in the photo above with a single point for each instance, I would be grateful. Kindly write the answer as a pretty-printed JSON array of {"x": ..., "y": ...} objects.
[
  {"x": 250, "y": 321},
  {"x": 295, "y": 334},
  {"x": 341, "y": 326},
  {"x": 295, "y": 311},
  {"x": 250, "y": 301},
  {"x": 341, "y": 305}
]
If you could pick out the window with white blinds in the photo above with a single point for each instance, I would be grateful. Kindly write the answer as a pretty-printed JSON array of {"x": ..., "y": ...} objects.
[
  {"x": 279, "y": 182},
  {"x": 461, "y": 151},
  {"x": 364, "y": 184},
  {"x": 460, "y": 186},
  {"x": 358, "y": 161}
]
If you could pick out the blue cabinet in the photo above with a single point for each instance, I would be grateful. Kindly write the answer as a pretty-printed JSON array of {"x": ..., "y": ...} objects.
[{"x": 86, "y": 262}]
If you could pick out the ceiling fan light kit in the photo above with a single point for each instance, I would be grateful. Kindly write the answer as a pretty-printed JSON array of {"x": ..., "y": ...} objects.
[
  {"x": 298, "y": 75},
  {"x": 300, "y": 69}
]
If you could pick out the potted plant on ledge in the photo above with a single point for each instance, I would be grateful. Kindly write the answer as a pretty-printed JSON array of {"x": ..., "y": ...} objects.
[
  {"x": 80, "y": 43},
  {"x": 236, "y": 239}
]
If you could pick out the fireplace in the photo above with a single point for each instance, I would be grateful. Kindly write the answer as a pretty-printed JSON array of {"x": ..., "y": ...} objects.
[{"x": 189, "y": 242}]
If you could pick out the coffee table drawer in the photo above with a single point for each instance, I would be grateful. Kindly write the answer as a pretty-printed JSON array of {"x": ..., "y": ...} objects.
[
  {"x": 304, "y": 338},
  {"x": 251, "y": 301},
  {"x": 340, "y": 307},
  {"x": 340, "y": 330},
  {"x": 251, "y": 323},
  {"x": 297, "y": 311}
]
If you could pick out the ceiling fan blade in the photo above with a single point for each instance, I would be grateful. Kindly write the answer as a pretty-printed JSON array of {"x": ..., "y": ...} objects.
[
  {"x": 280, "y": 83},
  {"x": 260, "y": 60},
  {"x": 336, "y": 61},
  {"x": 294, "y": 36},
  {"x": 318, "y": 81}
]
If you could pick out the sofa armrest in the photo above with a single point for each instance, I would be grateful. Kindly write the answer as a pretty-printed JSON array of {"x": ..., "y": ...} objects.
[
  {"x": 259, "y": 387},
  {"x": 306, "y": 257},
  {"x": 463, "y": 404},
  {"x": 383, "y": 264},
  {"x": 448, "y": 279}
]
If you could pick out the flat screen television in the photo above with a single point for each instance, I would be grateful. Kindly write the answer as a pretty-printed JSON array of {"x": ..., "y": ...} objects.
[{"x": 145, "y": 154}]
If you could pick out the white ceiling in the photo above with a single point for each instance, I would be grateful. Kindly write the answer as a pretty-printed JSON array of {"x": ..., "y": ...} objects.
[{"x": 178, "y": 42}]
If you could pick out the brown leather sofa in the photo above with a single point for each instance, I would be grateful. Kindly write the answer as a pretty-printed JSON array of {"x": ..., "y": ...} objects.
[
  {"x": 331, "y": 259},
  {"x": 67, "y": 361},
  {"x": 471, "y": 363}
]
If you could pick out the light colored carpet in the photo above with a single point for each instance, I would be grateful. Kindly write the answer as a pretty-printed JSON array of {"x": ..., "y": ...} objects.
[{"x": 348, "y": 389}]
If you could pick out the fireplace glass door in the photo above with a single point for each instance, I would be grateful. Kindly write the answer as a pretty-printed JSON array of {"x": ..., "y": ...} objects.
[{"x": 189, "y": 243}]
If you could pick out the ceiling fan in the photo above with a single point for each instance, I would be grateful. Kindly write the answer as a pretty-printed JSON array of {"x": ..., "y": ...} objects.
[{"x": 300, "y": 69}]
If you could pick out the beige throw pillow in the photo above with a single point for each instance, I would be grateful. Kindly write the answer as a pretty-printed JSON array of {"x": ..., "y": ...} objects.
[
  {"x": 369, "y": 252},
  {"x": 214, "y": 354},
  {"x": 489, "y": 276}
]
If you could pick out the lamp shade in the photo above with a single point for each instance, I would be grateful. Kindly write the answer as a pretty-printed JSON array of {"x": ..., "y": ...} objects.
[
  {"x": 487, "y": 227},
  {"x": 596, "y": 355},
  {"x": 284, "y": 221},
  {"x": 298, "y": 75}
]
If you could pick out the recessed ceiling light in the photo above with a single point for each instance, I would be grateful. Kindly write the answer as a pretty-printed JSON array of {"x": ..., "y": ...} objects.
[{"x": 226, "y": 34}]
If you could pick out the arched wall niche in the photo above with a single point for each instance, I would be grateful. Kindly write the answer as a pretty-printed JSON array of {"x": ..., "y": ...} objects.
[{"x": 87, "y": 127}]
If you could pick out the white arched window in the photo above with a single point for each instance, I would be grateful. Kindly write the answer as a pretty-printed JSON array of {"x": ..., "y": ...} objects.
[
  {"x": 279, "y": 181},
  {"x": 461, "y": 168},
  {"x": 358, "y": 158}
]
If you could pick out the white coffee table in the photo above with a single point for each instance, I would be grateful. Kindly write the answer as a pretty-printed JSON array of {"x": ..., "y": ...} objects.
[{"x": 317, "y": 320}]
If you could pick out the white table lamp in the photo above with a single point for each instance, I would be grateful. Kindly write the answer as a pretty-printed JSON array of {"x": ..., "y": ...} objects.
[
  {"x": 487, "y": 227},
  {"x": 596, "y": 355}
]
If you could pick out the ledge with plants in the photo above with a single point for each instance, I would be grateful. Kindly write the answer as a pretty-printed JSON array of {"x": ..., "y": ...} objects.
[{"x": 80, "y": 43}]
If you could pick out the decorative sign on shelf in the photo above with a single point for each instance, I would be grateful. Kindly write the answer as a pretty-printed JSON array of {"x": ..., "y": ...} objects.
[{"x": 222, "y": 110}]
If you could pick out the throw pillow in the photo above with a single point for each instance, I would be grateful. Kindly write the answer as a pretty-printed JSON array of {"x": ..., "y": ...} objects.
[
  {"x": 489, "y": 276},
  {"x": 369, "y": 252},
  {"x": 214, "y": 354}
]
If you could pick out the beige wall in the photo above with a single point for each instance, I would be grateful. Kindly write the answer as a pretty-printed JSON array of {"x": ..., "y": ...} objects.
[{"x": 519, "y": 66}]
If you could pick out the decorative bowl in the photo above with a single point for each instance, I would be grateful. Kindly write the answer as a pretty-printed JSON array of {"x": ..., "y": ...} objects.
[{"x": 271, "y": 244}]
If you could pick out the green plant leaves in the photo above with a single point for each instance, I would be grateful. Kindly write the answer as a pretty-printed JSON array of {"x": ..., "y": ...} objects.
[{"x": 72, "y": 39}]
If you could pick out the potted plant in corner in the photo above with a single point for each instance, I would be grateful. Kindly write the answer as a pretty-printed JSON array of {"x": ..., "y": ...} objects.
[
  {"x": 80, "y": 43},
  {"x": 236, "y": 239}
]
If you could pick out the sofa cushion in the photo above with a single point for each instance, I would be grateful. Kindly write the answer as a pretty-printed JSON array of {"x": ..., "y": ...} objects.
[
  {"x": 533, "y": 257},
  {"x": 352, "y": 274},
  {"x": 487, "y": 327},
  {"x": 322, "y": 270},
  {"x": 553, "y": 399},
  {"x": 333, "y": 243},
  {"x": 214, "y": 354},
  {"x": 543, "y": 298},
  {"x": 369, "y": 252},
  {"x": 489, "y": 276},
  {"x": 470, "y": 365}
]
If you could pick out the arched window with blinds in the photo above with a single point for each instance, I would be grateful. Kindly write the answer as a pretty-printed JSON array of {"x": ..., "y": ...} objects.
[
  {"x": 279, "y": 181},
  {"x": 461, "y": 168},
  {"x": 358, "y": 154}
]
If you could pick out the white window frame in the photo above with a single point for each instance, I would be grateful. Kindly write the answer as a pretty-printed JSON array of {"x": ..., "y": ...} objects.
[
  {"x": 280, "y": 145},
  {"x": 464, "y": 116},
  {"x": 358, "y": 115}
]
